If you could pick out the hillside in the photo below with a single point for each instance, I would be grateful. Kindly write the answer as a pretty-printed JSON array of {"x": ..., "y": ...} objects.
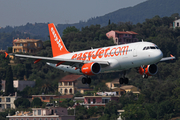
[{"x": 135, "y": 14}]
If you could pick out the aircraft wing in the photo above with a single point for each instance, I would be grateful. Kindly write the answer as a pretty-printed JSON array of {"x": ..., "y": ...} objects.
[
  {"x": 56, "y": 60},
  {"x": 167, "y": 58}
]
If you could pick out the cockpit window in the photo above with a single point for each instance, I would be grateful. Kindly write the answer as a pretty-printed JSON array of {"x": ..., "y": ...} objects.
[
  {"x": 150, "y": 47},
  {"x": 157, "y": 47},
  {"x": 147, "y": 48}
]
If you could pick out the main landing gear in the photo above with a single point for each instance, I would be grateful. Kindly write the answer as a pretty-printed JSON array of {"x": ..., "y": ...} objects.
[
  {"x": 86, "y": 80},
  {"x": 123, "y": 79}
]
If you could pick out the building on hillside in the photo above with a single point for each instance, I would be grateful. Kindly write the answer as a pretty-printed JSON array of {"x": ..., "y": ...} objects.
[
  {"x": 2, "y": 51},
  {"x": 27, "y": 45},
  {"x": 118, "y": 91},
  {"x": 48, "y": 98},
  {"x": 176, "y": 23},
  {"x": 130, "y": 88},
  {"x": 113, "y": 84},
  {"x": 119, "y": 114},
  {"x": 7, "y": 102},
  {"x": 90, "y": 101},
  {"x": 51, "y": 113},
  {"x": 72, "y": 83},
  {"x": 122, "y": 37},
  {"x": 18, "y": 84}
]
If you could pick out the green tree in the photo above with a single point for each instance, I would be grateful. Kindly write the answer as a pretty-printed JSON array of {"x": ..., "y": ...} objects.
[
  {"x": 70, "y": 29},
  {"x": 23, "y": 102},
  {"x": 9, "y": 89},
  {"x": 36, "y": 102}
]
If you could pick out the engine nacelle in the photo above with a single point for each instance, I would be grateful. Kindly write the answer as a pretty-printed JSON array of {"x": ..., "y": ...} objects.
[
  {"x": 149, "y": 70},
  {"x": 91, "y": 69}
]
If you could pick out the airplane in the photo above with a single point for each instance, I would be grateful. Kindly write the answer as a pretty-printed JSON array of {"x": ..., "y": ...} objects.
[{"x": 142, "y": 55}]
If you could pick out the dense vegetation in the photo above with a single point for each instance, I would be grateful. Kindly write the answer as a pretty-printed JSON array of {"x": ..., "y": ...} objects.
[
  {"x": 136, "y": 14},
  {"x": 159, "y": 98}
]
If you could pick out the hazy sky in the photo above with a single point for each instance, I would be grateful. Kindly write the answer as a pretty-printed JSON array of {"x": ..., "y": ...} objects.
[{"x": 20, "y": 12}]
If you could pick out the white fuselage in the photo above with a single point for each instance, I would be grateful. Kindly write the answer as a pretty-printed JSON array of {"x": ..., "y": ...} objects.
[{"x": 119, "y": 57}]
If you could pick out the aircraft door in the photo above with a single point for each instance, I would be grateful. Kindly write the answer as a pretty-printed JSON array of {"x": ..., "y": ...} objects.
[{"x": 135, "y": 50}]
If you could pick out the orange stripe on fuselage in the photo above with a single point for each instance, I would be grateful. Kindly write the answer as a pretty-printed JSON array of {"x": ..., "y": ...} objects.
[{"x": 101, "y": 52}]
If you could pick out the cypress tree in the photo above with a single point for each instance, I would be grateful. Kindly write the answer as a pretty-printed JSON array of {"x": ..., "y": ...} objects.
[{"x": 9, "y": 89}]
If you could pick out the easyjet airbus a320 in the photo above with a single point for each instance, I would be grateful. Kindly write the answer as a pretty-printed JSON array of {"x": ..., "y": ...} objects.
[{"x": 142, "y": 55}]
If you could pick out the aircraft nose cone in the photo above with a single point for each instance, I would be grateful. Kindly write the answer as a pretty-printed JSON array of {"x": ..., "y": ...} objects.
[{"x": 158, "y": 54}]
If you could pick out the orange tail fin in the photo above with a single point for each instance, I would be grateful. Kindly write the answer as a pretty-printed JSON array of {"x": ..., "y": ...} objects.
[{"x": 58, "y": 47}]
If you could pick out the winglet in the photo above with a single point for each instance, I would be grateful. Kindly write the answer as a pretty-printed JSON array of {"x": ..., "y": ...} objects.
[
  {"x": 171, "y": 56},
  {"x": 6, "y": 54},
  {"x": 58, "y": 47}
]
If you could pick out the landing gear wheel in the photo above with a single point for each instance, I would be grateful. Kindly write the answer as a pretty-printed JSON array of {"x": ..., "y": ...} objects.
[
  {"x": 121, "y": 80},
  {"x": 88, "y": 80},
  {"x": 84, "y": 80},
  {"x": 126, "y": 80},
  {"x": 145, "y": 76}
]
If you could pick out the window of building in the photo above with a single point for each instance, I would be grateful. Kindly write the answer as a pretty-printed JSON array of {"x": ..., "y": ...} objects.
[
  {"x": 61, "y": 90},
  {"x": 105, "y": 100},
  {"x": 34, "y": 118},
  {"x": 70, "y": 91},
  {"x": 46, "y": 119},
  {"x": 57, "y": 118},
  {"x": 8, "y": 99},
  {"x": 40, "y": 118},
  {"x": 60, "y": 83},
  {"x": 27, "y": 119},
  {"x": 89, "y": 100},
  {"x": 51, "y": 98},
  {"x": 8, "y": 105},
  {"x": 94, "y": 100},
  {"x": 44, "y": 98},
  {"x": 70, "y": 83},
  {"x": 66, "y": 91},
  {"x": 21, "y": 44},
  {"x": 177, "y": 24},
  {"x": 52, "y": 119},
  {"x": 20, "y": 50},
  {"x": 39, "y": 112},
  {"x": 65, "y": 83},
  {"x": 22, "y": 119},
  {"x": 0, "y": 99},
  {"x": 34, "y": 112},
  {"x": 39, "y": 45},
  {"x": 17, "y": 119}
]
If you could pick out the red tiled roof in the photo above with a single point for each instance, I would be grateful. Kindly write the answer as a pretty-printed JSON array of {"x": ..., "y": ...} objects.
[
  {"x": 70, "y": 77},
  {"x": 66, "y": 96},
  {"x": 125, "y": 32}
]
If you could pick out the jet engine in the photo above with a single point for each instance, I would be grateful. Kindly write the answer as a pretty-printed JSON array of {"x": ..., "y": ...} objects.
[
  {"x": 91, "y": 68},
  {"x": 148, "y": 70}
]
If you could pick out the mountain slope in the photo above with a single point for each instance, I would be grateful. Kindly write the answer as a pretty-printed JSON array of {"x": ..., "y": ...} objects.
[{"x": 136, "y": 14}]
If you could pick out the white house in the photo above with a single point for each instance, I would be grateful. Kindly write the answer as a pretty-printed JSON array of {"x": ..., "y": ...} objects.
[{"x": 176, "y": 23}]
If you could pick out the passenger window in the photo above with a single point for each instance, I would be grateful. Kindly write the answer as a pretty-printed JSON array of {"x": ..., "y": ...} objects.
[{"x": 144, "y": 48}]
